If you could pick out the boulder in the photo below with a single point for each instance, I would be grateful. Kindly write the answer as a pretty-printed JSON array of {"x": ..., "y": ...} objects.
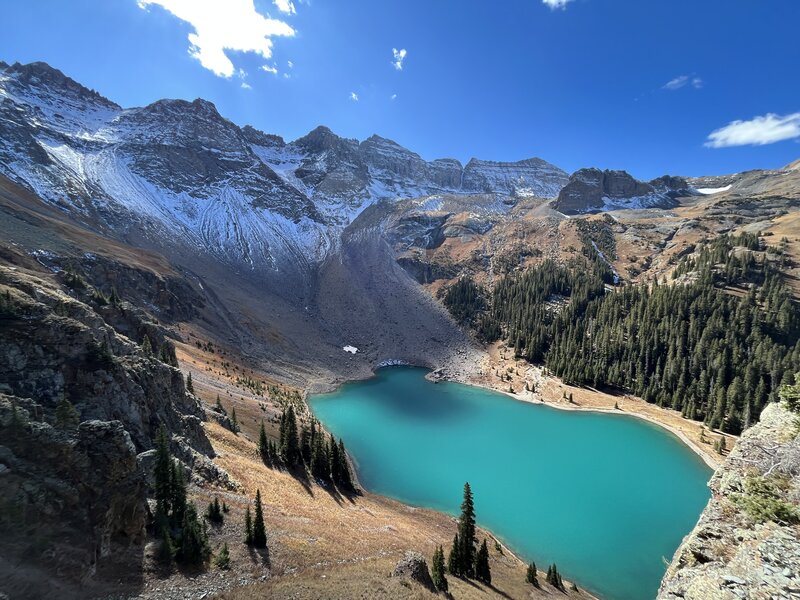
[{"x": 413, "y": 566}]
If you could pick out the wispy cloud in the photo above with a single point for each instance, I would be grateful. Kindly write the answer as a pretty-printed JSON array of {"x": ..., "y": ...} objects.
[
  {"x": 221, "y": 25},
  {"x": 555, "y": 4},
  {"x": 270, "y": 69},
  {"x": 393, "y": 97},
  {"x": 285, "y": 6},
  {"x": 246, "y": 86},
  {"x": 683, "y": 81},
  {"x": 353, "y": 96},
  {"x": 398, "y": 57},
  {"x": 758, "y": 131}
]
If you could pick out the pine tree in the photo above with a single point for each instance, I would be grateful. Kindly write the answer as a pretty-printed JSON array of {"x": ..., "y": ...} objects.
[
  {"x": 482, "y": 570},
  {"x": 189, "y": 384},
  {"x": 234, "y": 421},
  {"x": 248, "y": 527},
  {"x": 214, "y": 512},
  {"x": 263, "y": 449},
  {"x": 554, "y": 577},
  {"x": 162, "y": 474},
  {"x": 223, "y": 559},
  {"x": 437, "y": 570},
  {"x": 193, "y": 547},
  {"x": 147, "y": 346},
  {"x": 532, "y": 576},
  {"x": 345, "y": 478},
  {"x": 466, "y": 533},
  {"x": 290, "y": 448},
  {"x": 319, "y": 459},
  {"x": 454, "y": 558},
  {"x": 305, "y": 444},
  {"x": 177, "y": 495},
  {"x": 67, "y": 416},
  {"x": 259, "y": 532}
]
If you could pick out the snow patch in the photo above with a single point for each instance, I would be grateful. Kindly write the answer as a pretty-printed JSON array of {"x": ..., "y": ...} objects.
[
  {"x": 717, "y": 190},
  {"x": 350, "y": 349}
]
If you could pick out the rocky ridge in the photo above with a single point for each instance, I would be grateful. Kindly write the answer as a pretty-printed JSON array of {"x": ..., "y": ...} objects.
[
  {"x": 593, "y": 190},
  {"x": 177, "y": 172},
  {"x": 734, "y": 551}
]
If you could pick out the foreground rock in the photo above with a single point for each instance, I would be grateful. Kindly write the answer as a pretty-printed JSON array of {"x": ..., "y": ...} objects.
[
  {"x": 747, "y": 542},
  {"x": 414, "y": 566}
]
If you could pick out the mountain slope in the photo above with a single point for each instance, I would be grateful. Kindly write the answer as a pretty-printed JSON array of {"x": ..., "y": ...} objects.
[{"x": 176, "y": 173}]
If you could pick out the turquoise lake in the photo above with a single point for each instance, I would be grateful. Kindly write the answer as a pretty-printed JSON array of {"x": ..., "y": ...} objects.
[{"x": 606, "y": 497}]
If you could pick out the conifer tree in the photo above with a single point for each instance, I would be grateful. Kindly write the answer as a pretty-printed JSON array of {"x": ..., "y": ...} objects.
[
  {"x": 67, "y": 416},
  {"x": 263, "y": 449},
  {"x": 454, "y": 558},
  {"x": 320, "y": 465},
  {"x": 223, "y": 559},
  {"x": 466, "y": 533},
  {"x": 532, "y": 576},
  {"x": 194, "y": 541},
  {"x": 234, "y": 421},
  {"x": 189, "y": 384},
  {"x": 214, "y": 512},
  {"x": 259, "y": 531},
  {"x": 248, "y": 527},
  {"x": 482, "y": 570},
  {"x": 290, "y": 450},
  {"x": 437, "y": 570},
  {"x": 162, "y": 474},
  {"x": 177, "y": 494},
  {"x": 147, "y": 346},
  {"x": 305, "y": 444},
  {"x": 345, "y": 478}
]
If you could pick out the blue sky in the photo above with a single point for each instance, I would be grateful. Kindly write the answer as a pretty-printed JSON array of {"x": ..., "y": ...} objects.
[{"x": 636, "y": 85}]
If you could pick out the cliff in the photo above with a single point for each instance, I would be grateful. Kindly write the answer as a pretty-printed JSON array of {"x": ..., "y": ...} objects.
[{"x": 747, "y": 541}]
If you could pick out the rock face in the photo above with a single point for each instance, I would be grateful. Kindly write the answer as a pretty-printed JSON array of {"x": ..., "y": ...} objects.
[
  {"x": 731, "y": 554},
  {"x": 73, "y": 490},
  {"x": 593, "y": 190},
  {"x": 176, "y": 173},
  {"x": 414, "y": 566}
]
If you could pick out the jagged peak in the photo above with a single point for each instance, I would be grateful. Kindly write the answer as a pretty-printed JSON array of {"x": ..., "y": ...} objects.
[
  {"x": 260, "y": 138},
  {"x": 528, "y": 162},
  {"x": 321, "y": 138},
  {"x": 41, "y": 74}
]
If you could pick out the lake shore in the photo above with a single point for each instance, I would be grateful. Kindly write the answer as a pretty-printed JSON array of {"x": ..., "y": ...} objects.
[{"x": 551, "y": 391}]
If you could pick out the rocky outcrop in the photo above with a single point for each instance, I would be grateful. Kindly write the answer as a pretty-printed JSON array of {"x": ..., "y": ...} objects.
[
  {"x": 747, "y": 541},
  {"x": 413, "y": 566},
  {"x": 72, "y": 498},
  {"x": 81, "y": 401},
  {"x": 593, "y": 190}
]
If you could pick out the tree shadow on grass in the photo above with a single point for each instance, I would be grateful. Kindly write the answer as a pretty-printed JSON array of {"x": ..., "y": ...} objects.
[{"x": 259, "y": 556}]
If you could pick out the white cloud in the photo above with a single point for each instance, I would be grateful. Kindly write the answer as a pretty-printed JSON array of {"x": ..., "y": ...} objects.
[
  {"x": 758, "y": 131},
  {"x": 221, "y": 25},
  {"x": 554, "y": 4},
  {"x": 398, "y": 57},
  {"x": 246, "y": 86},
  {"x": 683, "y": 81},
  {"x": 290, "y": 64},
  {"x": 270, "y": 69},
  {"x": 285, "y": 6},
  {"x": 353, "y": 96},
  {"x": 393, "y": 97}
]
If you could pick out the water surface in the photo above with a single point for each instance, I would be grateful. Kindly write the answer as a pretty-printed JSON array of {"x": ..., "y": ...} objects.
[{"x": 606, "y": 497}]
